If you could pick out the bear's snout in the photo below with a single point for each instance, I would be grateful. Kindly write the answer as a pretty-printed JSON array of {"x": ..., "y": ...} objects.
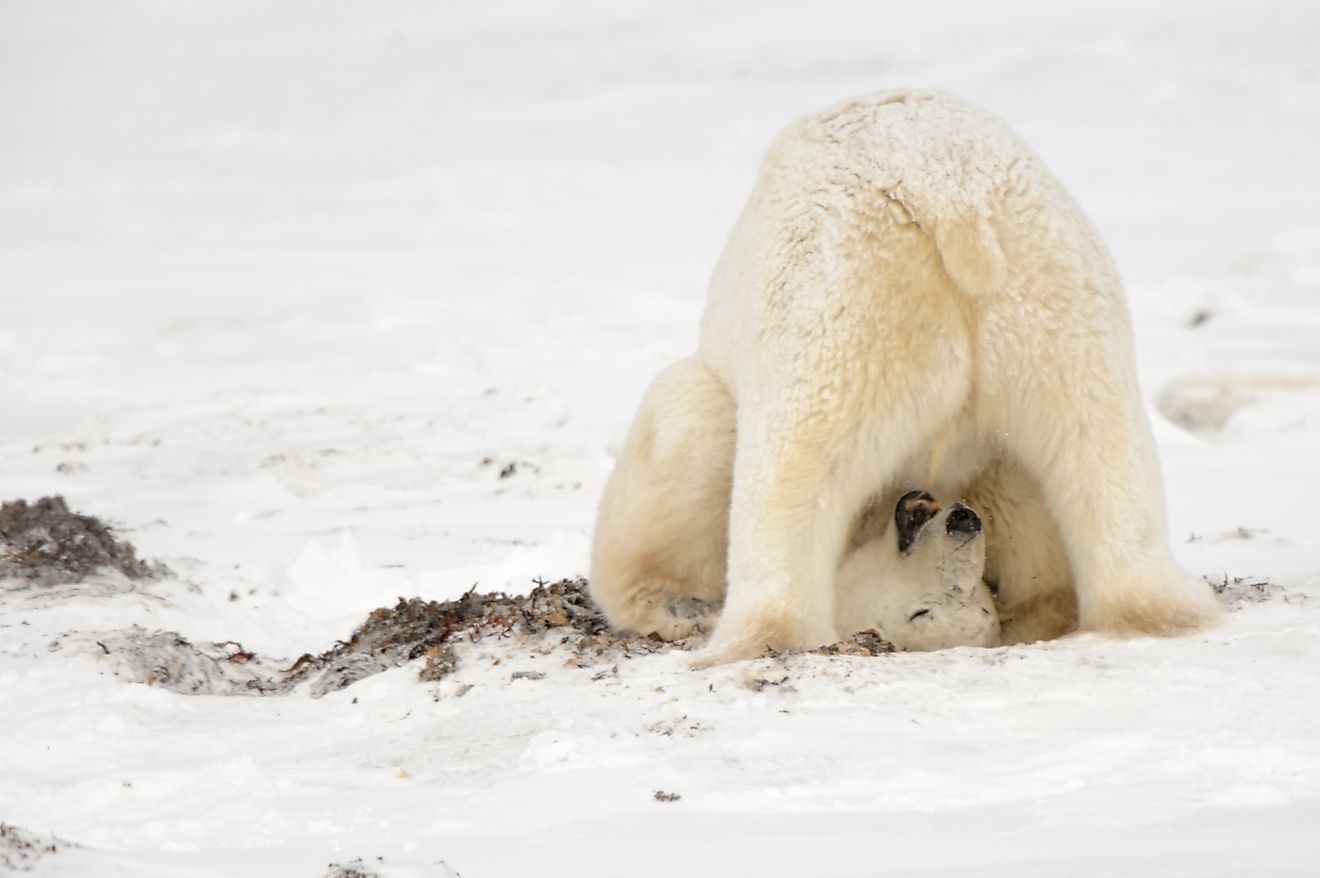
[{"x": 962, "y": 520}]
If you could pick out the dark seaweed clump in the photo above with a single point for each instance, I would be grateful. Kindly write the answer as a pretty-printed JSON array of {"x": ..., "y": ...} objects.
[
  {"x": 415, "y": 628},
  {"x": 44, "y": 543},
  {"x": 552, "y": 615}
]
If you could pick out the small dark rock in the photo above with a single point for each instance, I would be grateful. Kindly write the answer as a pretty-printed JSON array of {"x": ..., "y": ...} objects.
[
  {"x": 527, "y": 675},
  {"x": 864, "y": 643}
]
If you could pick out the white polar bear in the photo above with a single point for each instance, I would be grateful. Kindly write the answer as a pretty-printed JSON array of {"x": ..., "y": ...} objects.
[
  {"x": 909, "y": 299},
  {"x": 920, "y": 584}
]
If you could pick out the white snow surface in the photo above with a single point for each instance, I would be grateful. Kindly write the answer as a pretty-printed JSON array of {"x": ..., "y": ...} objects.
[{"x": 287, "y": 286}]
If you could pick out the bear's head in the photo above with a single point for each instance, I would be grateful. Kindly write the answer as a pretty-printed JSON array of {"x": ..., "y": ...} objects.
[
  {"x": 941, "y": 598},
  {"x": 920, "y": 583}
]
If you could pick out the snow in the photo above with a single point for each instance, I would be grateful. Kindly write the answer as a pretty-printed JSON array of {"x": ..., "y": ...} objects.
[{"x": 286, "y": 288}]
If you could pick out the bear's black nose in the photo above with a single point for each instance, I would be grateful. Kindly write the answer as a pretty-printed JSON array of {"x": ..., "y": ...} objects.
[{"x": 962, "y": 520}]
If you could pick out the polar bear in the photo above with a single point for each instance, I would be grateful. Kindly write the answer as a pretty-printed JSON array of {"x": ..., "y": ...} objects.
[
  {"x": 920, "y": 583},
  {"x": 909, "y": 299}
]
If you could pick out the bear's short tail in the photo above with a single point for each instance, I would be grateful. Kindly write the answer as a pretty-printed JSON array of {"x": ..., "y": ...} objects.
[{"x": 971, "y": 253}]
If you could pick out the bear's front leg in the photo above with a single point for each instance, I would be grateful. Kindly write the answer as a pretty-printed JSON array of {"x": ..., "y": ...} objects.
[
  {"x": 788, "y": 522},
  {"x": 809, "y": 452},
  {"x": 820, "y": 428}
]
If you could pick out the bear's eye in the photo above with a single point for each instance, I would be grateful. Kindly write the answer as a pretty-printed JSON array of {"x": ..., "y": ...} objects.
[{"x": 910, "y": 516}]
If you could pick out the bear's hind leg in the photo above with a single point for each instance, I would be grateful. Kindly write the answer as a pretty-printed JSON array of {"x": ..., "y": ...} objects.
[
  {"x": 1078, "y": 427},
  {"x": 662, "y": 527}
]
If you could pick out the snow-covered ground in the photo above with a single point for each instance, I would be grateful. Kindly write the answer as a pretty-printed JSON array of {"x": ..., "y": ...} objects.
[{"x": 286, "y": 288}]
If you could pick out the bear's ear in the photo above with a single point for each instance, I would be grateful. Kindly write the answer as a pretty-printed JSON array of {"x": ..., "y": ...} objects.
[{"x": 910, "y": 516}]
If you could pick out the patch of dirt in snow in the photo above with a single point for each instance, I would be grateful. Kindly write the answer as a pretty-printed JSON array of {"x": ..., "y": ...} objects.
[
  {"x": 557, "y": 616},
  {"x": 552, "y": 616},
  {"x": 20, "y": 850},
  {"x": 361, "y": 869},
  {"x": 44, "y": 543},
  {"x": 1238, "y": 591},
  {"x": 864, "y": 643},
  {"x": 168, "y": 660},
  {"x": 355, "y": 869}
]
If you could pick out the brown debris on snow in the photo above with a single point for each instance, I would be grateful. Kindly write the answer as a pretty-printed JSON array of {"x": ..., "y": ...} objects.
[
  {"x": 1238, "y": 591},
  {"x": 360, "y": 869},
  {"x": 864, "y": 643},
  {"x": 20, "y": 850},
  {"x": 45, "y": 543},
  {"x": 561, "y": 612},
  {"x": 354, "y": 869},
  {"x": 170, "y": 661},
  {"x": 551, "y": 616}
]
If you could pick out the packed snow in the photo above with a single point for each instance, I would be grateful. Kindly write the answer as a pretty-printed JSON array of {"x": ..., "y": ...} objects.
[{"x": 322, "y": 305}]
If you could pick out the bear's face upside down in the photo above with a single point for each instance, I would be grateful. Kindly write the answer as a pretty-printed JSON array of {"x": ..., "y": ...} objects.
[{"x": 920, "y": 583}]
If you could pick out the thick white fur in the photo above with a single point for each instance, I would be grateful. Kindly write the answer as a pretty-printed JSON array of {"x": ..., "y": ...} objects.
[{"x": 906, "y": 283}]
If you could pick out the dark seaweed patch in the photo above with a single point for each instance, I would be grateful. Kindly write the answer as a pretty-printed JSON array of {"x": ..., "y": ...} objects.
[{"x": 44, "y": 543}]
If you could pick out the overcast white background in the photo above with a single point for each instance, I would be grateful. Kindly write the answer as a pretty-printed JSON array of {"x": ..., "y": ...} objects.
[{"x": 274, "y": 272}]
